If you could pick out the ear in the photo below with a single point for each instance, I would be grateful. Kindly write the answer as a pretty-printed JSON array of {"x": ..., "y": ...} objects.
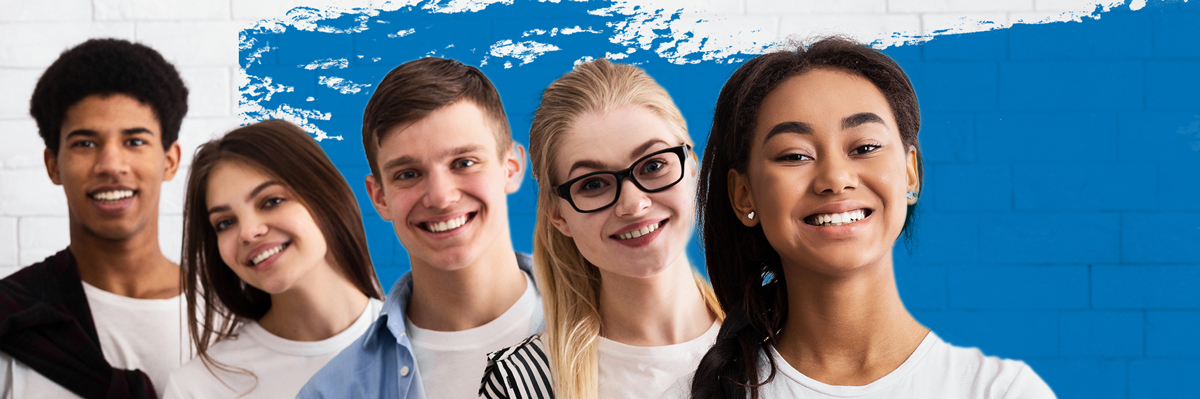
[
  {"x": 914, "y": 175},
  {"x": 695, "y": 162},
  {"x": 375, "y": 191},
  {"x": 741, "y": 198},
  {"x": 557, "y": 220},
  {"x": 514, "y": 168},
  {"x": 51, "y": 161},
  {"x": 172, "y": 161}
]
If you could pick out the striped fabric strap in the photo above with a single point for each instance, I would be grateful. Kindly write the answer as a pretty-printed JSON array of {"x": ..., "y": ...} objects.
[{"x": 518, "y": 372}]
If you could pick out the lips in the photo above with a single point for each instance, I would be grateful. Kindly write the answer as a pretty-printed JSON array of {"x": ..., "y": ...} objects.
[
  {"x": 448, "y": 225},
  {"x": 112, "y": 194},
  {"x": 267, "y": 253},
  {"x": 838, "y": 218}
]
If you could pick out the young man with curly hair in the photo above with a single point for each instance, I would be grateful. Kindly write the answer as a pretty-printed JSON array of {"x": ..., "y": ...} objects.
[{"x": 103, "y": 317}]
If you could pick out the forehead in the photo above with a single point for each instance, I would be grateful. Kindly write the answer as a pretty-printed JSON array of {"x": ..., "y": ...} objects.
[
  {"x": 453, "y": 126},
  {"x": 610, "y": 137},
  {"x": 107, "y": 114},
  {"x": 230, "y": 181},
  {"x": 822, "y": 98}
]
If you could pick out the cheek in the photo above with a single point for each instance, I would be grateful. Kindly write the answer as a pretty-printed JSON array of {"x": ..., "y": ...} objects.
[{"x": 227, "y": 245}]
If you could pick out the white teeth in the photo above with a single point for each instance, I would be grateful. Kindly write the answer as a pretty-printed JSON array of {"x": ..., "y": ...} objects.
[
  {"x": 639, "y": 232},
  {"x": 447, "y": 225},
  {"x": 115, "y": 195},
  {"x": 266, "y": 254},
  {"x": 838, "y": 219}
]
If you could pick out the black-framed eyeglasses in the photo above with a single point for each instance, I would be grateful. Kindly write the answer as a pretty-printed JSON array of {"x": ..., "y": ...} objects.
[{"x": 652, "y": 173}]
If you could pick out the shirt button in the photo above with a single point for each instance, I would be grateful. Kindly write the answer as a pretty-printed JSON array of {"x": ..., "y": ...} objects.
[{"x": 404, "y": 371}]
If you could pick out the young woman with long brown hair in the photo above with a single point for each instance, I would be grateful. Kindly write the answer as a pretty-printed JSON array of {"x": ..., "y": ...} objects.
[{"x": 275, "y": 259}]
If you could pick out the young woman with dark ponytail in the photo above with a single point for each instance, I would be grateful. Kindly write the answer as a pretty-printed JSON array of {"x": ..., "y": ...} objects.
[{"x": 812, "y": 172}]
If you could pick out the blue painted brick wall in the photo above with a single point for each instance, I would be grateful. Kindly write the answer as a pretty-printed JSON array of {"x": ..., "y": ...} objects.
[{"x": 1060, "y": 217}]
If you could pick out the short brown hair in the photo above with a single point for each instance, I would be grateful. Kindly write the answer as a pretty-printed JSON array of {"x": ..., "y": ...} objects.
[{"x": 415, "y": 89}]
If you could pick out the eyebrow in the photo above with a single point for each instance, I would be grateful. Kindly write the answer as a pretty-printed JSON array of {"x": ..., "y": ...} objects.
[
  {"x": 93, "y": 133},
  {"x": 453, "y": 152},
  {"x": 848, "y": 122},
  {"x": 597, "y": 165},
  {"x": 253, "y": 193}
]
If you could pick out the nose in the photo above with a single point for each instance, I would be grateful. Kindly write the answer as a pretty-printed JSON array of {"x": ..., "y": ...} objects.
[
  {"x": 251, "y": 228},
  {"x": 442, "y": 191},
  {"x": 111, "y": 161},
  {"x": 632, "y": 200},
  {"x": 834, "y": 176}
]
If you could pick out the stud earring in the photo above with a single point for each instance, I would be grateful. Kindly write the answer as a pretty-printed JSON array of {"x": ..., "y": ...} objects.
[
  {"x": 911, "y": 195},
  {"x": 750, "y": 215}
]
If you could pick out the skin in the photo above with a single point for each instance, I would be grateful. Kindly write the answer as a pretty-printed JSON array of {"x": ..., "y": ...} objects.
[
  {"x": 846, "y": 324},
  {"x": 111, "y": 143},
  {"x": 648, "y": 296},
  {"x": 441, "y": 168},
  {"x": 252, "y": 213}
]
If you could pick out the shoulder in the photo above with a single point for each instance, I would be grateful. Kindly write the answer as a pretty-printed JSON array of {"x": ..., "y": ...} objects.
[
  {"x": 518, "y": 371},
  {"x": 989, "y": 376},
  {"x": 363, "y": 365}
]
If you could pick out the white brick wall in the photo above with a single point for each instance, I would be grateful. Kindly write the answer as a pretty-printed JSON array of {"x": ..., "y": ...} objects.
[{"x": 200, "y": 37}]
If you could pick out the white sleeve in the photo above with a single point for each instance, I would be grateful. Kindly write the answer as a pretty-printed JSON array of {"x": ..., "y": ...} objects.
[
  {"x": 6, "y": 376},
  {"x": 1028, "y": 385}
]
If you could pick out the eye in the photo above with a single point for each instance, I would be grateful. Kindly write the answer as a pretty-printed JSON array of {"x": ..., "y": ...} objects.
[
  {"x": 135, "y": 142},
  {"x": 464, "y": 163},
  {"x": 793, "y": 158},
  {"x": 653, "y": 165},
  {"x": 272, "y": 202},
  {"x": 592, "y": 184},
  {"x": 405, "y": 175},
  {"x": 222, "y": 224},
  {"x": 863, "y": 149},
  {"x": 84, "y": 143}
]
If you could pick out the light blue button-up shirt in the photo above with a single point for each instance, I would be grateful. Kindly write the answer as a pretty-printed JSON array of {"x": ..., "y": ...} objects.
[{"x": 380, "y": 363}]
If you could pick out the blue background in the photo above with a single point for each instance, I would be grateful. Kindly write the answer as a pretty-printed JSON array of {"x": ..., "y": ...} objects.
[{"x": 1059, "y": 223}]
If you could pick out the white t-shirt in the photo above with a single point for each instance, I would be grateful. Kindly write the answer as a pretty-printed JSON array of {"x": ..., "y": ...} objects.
[
  {"x": 281, "y": 365},
  {"x": 646, "y": 372},
  {"x": 935, "y": 370},
  {"x": 451, "y": 363},
  {"x": 150, "y": 335}
]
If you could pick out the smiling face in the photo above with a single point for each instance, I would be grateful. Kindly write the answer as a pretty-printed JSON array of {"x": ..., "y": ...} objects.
[
  {"x": 642, "y": 233},
  {"x": 111, "y": 164},
  {"x": 827, "y": 173},
  {"x": 443, "y": 186},
  {"x": 264, "y": 233}
]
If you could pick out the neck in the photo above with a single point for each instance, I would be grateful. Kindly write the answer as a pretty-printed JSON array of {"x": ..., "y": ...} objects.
[
  {"x": 321, "y": 305},
  {"x": 466, "y": 297},
  {"x": 847, "y": 330},
  {"x": 664, "y": 309},
  {"x": 133, "y": 267}
]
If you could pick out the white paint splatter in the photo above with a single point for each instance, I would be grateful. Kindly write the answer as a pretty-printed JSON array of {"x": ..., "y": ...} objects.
[
  {"x": 526, "y": 51},
  {"x": 339, "y": 63},
  {"x": 456, "y": 6},
  {"x": 254, "y": 90},
  {"x": 402, "y": 33},
  {"x": 341, "y": 85},
  {"x": 577, "y": 29},
  {"x": 263, "y": 88}
]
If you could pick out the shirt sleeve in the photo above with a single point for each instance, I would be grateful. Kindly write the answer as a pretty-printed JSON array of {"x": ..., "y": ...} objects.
[{"x": 1028, "y": 385}]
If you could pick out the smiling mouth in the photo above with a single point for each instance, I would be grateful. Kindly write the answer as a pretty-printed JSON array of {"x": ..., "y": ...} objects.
[
  {"x": 268, "y": 253},
  {"x": 629, "y": 235},
  {"x": 448, "y": 225},
  {"x": 837, "y": 219},
  {"x": 112, "y": 195}
]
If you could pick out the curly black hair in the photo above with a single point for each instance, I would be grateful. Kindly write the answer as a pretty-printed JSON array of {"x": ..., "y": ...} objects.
[{"x": 106, "y": 67}]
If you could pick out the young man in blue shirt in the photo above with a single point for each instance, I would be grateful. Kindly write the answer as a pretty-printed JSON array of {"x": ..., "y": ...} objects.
[{"x": 442, "y": 164}]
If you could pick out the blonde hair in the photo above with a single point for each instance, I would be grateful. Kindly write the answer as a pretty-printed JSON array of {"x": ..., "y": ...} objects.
[{"x": 569, "y": 283}]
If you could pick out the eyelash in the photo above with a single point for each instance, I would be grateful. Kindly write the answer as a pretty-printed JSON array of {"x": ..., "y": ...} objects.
[
  {"x": 874, "y": 147},
  {"x": 223, "y": 224}
]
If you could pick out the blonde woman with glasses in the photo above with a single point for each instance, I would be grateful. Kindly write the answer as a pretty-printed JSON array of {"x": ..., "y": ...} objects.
[{"x": 626, "y": 313}]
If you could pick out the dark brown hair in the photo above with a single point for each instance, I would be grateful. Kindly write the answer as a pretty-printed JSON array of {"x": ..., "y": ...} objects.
[
  {"x": 738, "y": 257},
  {"x": 415, "y": 89},
  {"x": 284, "y": 151},
  {"x": 106, "y": 67}
]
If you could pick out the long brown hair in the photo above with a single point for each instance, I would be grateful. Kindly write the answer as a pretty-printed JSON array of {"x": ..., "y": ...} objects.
[
  {"x": 569, "y": 283},
  {"x": 738, "y": 257},
  {"x": 284, "y": 151}
]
